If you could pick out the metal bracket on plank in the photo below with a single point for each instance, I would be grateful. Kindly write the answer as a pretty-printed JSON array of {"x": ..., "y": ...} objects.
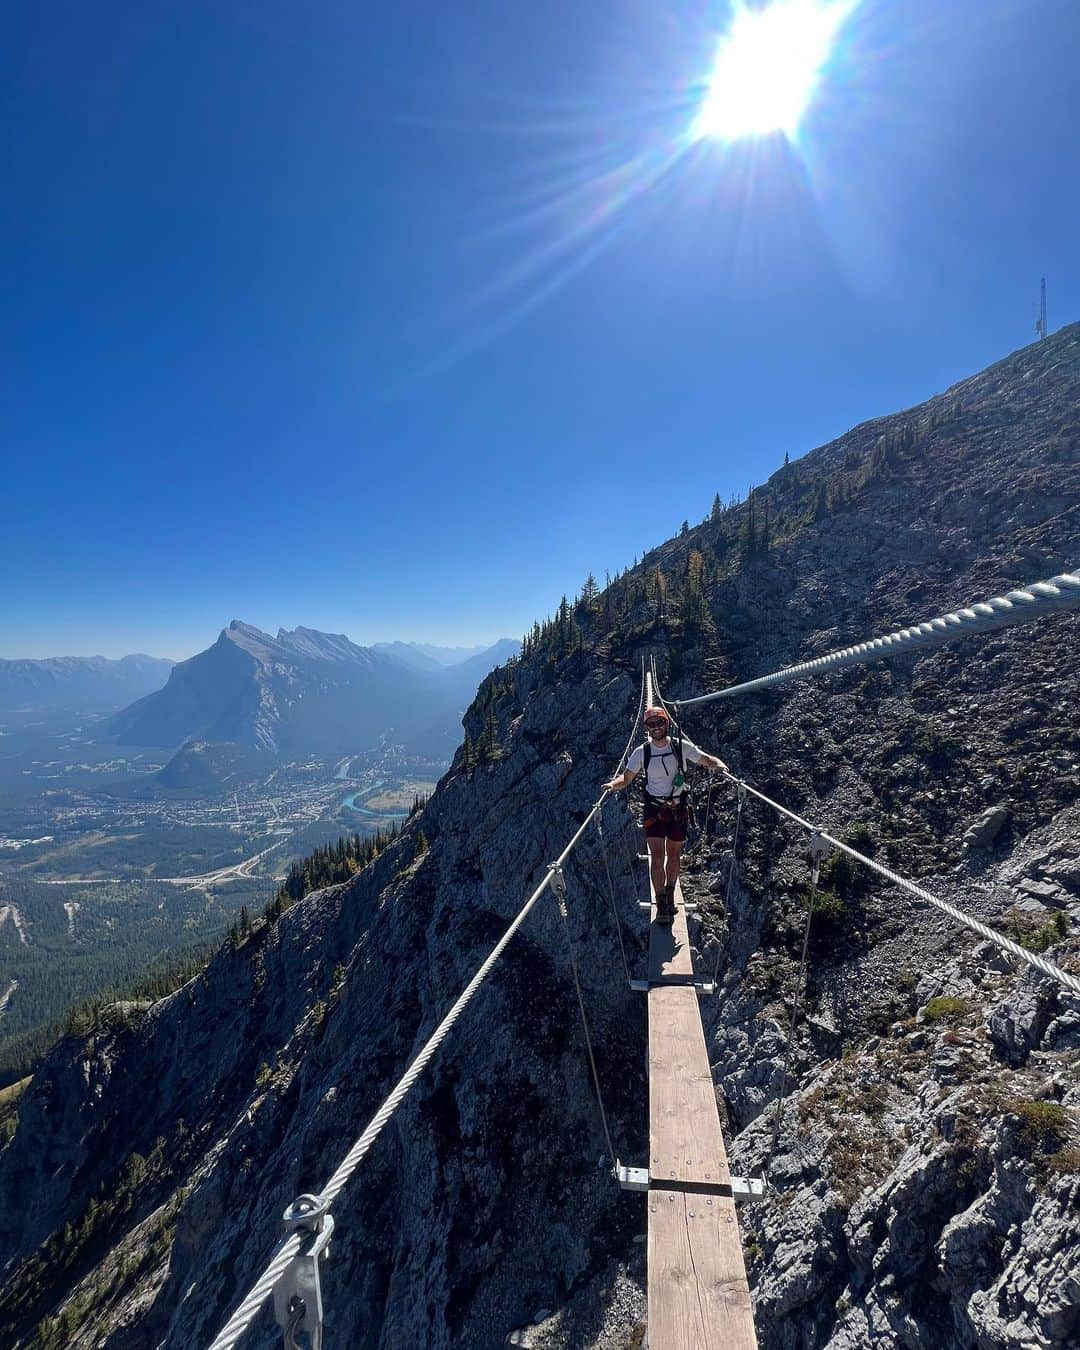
[
  {"x": 689, "y": 905},
  {"x": 674, "y": 982},
  {"x": 298, "y": 1294},
  {"x": 741, "y": 1188}
]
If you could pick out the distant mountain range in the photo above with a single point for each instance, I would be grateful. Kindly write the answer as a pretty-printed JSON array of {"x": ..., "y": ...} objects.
[
  {"x": 424, "y": 656},
  {"x": 305, "y": 692},
  {"x": 79, "y": 683}
]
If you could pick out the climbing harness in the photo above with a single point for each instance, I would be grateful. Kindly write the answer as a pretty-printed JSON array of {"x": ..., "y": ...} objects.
[
  {"x": 1041, "y": 597},
  {"x": 819, "y": 851}
]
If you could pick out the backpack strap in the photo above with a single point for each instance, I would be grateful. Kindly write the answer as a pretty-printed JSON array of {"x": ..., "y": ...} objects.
[{"x": 676, "y": 742}]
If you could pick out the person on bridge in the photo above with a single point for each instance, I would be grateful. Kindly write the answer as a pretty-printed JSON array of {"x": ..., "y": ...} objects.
[{"x": 667, "y": 812}]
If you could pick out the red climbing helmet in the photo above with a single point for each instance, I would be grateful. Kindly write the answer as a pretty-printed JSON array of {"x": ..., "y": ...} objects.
[{"x": 654, "y": 713}]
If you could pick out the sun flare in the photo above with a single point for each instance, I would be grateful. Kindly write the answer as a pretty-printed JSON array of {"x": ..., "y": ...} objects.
[{"x": 768, "y": 66}]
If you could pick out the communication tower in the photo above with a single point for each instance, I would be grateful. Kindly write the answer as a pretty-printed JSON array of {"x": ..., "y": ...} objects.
[{"x": 1040, "y": 322}]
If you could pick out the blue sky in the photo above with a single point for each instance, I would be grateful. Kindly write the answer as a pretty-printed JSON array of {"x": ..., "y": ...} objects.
[{"x": 397, "y": 320}]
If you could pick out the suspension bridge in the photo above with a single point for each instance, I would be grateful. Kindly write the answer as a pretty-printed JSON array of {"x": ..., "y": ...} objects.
[{"x": 698, "y": 1294}]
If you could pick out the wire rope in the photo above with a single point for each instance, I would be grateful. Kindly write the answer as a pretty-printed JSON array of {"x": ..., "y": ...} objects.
[
  {"x": 1058, "y": 594},
  {"x": 800, "y": 986},
  {"x": 999, "y": 940},
  {"x": 559, "y": 887},
  {"x": 290, "y": 1246},
  {"x": 611, "y": 895},
  {"x": 732, "y": 867}
]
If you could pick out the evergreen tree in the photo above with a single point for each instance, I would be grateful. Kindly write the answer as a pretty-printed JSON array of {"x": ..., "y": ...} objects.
[
  {"x": 717, "y": 509},
  {"x": 749, "y": 541},
  {"x": 488, "y": 748}
]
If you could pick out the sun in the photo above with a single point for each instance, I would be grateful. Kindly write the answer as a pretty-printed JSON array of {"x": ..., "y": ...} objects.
[{"x": 768, "y": 65}]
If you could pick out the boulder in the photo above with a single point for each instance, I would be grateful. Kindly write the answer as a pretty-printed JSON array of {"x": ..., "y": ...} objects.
[{"x": 981, "y": 833}]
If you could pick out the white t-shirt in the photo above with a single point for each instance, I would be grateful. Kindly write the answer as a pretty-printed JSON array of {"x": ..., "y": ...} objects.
[{"x": 663, "y": 766}]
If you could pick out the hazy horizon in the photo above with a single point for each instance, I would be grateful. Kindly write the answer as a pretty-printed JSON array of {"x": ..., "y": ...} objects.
[{"x": 476, "y": 645}]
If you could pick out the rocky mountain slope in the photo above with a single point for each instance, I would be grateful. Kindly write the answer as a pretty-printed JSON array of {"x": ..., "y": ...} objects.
[
  {"x": 299, "y": 693},
  {"x": 79, "y": 683},
  {"x": 925, "y": 1187}
]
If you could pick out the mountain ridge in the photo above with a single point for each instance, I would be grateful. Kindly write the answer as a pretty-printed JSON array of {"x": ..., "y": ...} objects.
[
  {"x": 922, "y": 1191},
  {"x": 302, "y": 692},
  {"x": 96, "y": 683}
]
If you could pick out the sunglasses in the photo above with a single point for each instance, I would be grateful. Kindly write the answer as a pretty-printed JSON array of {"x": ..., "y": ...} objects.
[{"x": 656, "y": 722}]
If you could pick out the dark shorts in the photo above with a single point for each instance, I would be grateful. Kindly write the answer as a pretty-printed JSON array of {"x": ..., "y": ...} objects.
[{"x": 664, "y": 821}]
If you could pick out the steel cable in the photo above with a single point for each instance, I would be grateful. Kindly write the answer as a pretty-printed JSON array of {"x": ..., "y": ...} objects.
[
  {"x": 999, "y": 940},
  {"x": 800, "y": 985},
  {"x": 1058, "y": 594},
  {"x": 611, "y": 895},
  {"x": 290, "y": 1246},
  {"x": 730, "y": 879},
  {"x": 559, "y": 887}
]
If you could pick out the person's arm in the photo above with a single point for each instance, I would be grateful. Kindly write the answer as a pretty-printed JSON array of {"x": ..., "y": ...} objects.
[
  {"x": 696, "y": 755},
  {"x": 620, "y": 781}
]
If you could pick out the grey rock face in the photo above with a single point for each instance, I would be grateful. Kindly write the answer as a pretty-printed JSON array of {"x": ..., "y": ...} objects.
[
  {"x": 982, "y": 832},
  {"x": 1017, "y": 1026}
]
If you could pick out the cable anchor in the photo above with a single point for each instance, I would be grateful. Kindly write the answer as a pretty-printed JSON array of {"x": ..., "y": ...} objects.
[
  {"x": 558, "y": 885},
  {"x": 298, "y": 1293},
  {"x": 819, "y": 848}
]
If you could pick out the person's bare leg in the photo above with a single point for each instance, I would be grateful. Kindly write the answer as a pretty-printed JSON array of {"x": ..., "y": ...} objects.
[
  {"x": 674, "y": 855},
  {"x": 656, "y": 864}
]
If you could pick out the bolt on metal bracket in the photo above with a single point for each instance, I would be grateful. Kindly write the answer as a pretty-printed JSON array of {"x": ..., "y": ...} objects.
[{"x": 298, "y": 1293}]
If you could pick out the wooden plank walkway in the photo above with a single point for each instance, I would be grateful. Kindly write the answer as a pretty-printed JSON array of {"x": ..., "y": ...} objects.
[{"x": 699, "y": 1298}]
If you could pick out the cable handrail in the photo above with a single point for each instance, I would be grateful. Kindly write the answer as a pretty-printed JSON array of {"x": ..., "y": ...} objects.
[
  {"x": 1058, "y": 594},
  {"x": 1005, "y": 944},
  {"x": 290, "y": 1247}
]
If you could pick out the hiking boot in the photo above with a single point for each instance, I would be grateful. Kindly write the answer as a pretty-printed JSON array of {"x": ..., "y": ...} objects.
[{"x": 665, "y": 906}]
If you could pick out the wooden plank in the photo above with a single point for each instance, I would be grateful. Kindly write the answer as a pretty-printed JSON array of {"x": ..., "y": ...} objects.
[
  {"x": 698, "y": 1294},
  {"x": 699, "y": 1298},
  {"x": 685, "y": 1143},
  {"x": 669, "y": 948}
]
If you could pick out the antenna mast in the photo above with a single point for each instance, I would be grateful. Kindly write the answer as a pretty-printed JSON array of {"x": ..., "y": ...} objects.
[{"x": 1040, "y": 322}]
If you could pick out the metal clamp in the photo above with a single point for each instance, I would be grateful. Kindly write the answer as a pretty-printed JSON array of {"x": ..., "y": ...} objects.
[
  {"x": 820, "y": 849},
  {"x": 298, "y": 1293},
  {"x": 740, "y": 1189},
  {"x": 558, "y": 885},
  {"x": 706, "y": 987}
]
